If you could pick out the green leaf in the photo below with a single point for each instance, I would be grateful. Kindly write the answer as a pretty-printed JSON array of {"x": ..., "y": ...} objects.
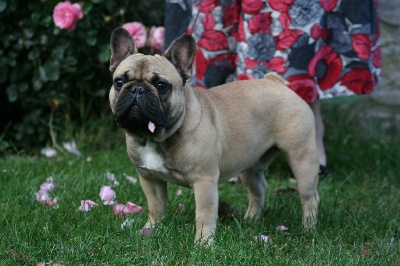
[
  {"x": 105, "y": 54},
  {"x": 91, "y": 40},
  {"x": 3, "y": 5},
  {"x": 23, "y": 87},
  {"x": 12, "y": 94},
  {"x": 49, "y": 71},
  {"x": 37, "y": 84}
]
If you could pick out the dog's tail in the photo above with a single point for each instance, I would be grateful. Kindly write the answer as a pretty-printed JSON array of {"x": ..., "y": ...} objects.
[{"x": 276, "y": 77}]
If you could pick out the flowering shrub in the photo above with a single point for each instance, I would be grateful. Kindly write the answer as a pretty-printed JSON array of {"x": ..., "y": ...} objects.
[{"x": 54, "y": 59}]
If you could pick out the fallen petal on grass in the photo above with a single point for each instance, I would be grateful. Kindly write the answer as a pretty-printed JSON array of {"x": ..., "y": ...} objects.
[
  {"x": 71, "y": 147},
  {"x": 130, "y": 179},
  {"x": 123, "y": 210},
  {"x": 263, "y": 238},
  {"x": 86, "y": 205},
  {"x": 281, "y": 228},
  {"x": 107, "y": 195},
  {"x": 48, "y": 152},
  {"x": 110, "y": 176},
  {"x": 127, "y": 223}
]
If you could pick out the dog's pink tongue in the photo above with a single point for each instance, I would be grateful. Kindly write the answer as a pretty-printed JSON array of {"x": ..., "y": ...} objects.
[{"x": 151, "y": 127}]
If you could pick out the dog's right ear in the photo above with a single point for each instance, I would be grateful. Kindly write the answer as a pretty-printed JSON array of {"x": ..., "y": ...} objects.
[
  {"x": 181, "y": 54},
  {"x": 121, "y": 46}
]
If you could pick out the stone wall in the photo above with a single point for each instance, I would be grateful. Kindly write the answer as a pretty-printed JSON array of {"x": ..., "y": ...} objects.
[{"x": 382, "y": 107}]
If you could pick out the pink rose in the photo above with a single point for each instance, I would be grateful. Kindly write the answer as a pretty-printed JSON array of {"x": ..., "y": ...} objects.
[
  {"x": 157, "y": 39},
  {"x": 66, "y": 15},
  {"x": 138, "y": 32}
]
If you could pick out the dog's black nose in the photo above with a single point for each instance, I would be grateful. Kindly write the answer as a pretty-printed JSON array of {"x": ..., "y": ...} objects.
[{"x": 137, "y": 90}]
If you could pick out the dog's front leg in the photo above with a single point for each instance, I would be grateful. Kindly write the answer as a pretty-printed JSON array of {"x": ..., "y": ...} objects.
[
  {"x": 156, "y": 195},
  {"x": 206, "y": 197}
]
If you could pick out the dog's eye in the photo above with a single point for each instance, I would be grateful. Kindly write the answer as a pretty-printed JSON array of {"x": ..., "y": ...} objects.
[
  {"x": 162, "y": 86},
  {"x": 118, "y": 83}
]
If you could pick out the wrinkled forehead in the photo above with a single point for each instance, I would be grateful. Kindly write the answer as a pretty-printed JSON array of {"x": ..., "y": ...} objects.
[{"x": 141, "y": 67}]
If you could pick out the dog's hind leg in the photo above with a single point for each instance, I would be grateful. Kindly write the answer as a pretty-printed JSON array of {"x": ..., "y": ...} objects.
[
  {"x": 254, "y": 180},
  {"x": 305, "y": 166}
]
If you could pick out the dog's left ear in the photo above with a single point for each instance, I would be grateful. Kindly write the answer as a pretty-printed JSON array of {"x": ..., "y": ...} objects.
[
  {"x": 181, "y": 54},
  {"x": 122, "y": 46}
]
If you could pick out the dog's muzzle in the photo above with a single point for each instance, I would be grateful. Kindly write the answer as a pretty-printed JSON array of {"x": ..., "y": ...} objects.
[{"x": 136, "y": 107}]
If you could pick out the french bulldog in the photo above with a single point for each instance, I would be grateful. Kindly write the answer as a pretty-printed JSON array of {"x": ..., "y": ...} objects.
[{"x": 198, "y": 138}]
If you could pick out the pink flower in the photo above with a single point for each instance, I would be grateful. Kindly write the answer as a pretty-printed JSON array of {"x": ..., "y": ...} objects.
[
  {"x": 179, "y": 192},
  {"x": 124, "y": 210},
  {"x": 181, "y": 207},
  {"x": 107, "y": 195},
  {"x": 157, "y": 39},
  {"x": 86, "y": 205},
  {"x": 138, "y": 32},
  {"x": 66, "y": 15},
  {"x": 281, "y": 228}
]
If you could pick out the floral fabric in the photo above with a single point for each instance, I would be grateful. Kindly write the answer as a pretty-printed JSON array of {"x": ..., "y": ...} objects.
[{"x": 323, "y": 48}]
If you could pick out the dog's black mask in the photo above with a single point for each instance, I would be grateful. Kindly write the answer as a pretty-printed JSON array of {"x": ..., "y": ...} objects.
[{"x": 136, "y": 107}]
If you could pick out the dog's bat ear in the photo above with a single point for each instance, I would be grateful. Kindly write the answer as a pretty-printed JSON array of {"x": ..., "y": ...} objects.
[
  {"x": 121, "y": 46},
  {"x": 181, "y": 54}
]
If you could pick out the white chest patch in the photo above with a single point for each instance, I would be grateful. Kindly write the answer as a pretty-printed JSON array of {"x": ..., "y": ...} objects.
[{"x": 151, "y": 158}]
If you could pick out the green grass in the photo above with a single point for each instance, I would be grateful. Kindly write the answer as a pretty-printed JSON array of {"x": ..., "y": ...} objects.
[{"x": 358, "y": 215}]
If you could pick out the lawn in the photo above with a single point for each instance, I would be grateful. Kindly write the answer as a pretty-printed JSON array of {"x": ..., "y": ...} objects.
[{"x": 358, "y": 216}]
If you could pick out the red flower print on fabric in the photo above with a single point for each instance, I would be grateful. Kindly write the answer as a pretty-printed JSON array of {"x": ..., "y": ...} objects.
[
  {"x": 250, "y": 63},
  {"x": 304, "y": 86},
  {"x": 208, "y": 22},
  {"x": 206, "y": 6},
  {"x": 245, "y": 77},
  {"x": 252, "y": 7},
  {"x": 240, "y": 36},
  {"x": 359, "y": 80},
  {"x": 376, "y": 57},
  {"x": 260, "y": 23},
  {"x": 213, "y": 40},
  {"x": 328, "y": 5},
  {"x": 362, "y": 45},
  {"x": 326, "y": 65},
  {"x": 287, "y": 38},
  {"x": 201, "y": 64},
  {"x": 285, "y": 20},
  {"x": 231, "y": 15},
  {"x": 318, "y": 32},
  {"x": 281, "y": 5},
  {"x": 276, "y": 64}
]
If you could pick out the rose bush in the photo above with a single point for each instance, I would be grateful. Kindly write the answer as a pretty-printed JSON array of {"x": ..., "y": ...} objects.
[{"x": 57, "y": 70}]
